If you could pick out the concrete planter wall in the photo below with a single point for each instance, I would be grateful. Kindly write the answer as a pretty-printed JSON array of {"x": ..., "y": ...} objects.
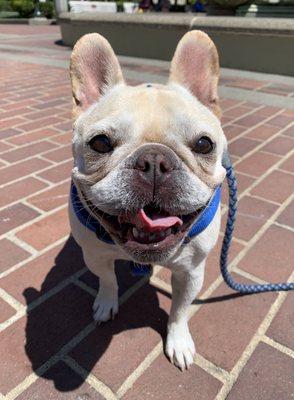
[
  {"x": 264, "y": 45},
  {"x": 90, "y": 6}
]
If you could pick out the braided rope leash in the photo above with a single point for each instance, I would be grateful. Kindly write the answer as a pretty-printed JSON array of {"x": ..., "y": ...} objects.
[{"x": 239, "y": 287}]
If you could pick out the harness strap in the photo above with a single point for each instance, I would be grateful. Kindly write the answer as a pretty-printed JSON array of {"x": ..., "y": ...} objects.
[{"x": 86, "y": 218}]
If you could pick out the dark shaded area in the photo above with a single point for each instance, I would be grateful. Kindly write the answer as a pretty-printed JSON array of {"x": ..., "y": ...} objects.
[
  {"x": 56, "y": 321},
  {"x": 225, "y": 297}
]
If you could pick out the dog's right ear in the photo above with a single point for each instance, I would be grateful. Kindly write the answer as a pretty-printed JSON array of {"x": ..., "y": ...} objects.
[{"x": 94, "y": 69}]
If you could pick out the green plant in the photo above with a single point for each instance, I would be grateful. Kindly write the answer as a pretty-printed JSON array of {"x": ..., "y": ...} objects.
[
  {"x": 25, "y": 8},
  {"x": 5, "y": 5},
  {"x": 47, "y": 9}
]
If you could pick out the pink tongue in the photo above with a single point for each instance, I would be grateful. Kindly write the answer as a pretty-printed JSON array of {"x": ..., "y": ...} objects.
[{"x": 141, "y": 220}]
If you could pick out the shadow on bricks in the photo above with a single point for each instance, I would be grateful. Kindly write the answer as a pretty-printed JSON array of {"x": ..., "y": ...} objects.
[{"x": 62, "y": 316}]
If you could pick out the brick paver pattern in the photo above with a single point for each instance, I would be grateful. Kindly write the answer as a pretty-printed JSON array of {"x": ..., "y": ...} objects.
[{"x": 50, "y": 347}]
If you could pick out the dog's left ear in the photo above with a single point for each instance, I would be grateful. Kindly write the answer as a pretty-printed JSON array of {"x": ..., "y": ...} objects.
[
  {"x": 195, "y": 65},
  {"x": 94, "y": 68}
]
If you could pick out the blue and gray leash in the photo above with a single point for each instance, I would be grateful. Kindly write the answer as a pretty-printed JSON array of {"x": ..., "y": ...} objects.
[{"x": 232, "y": 211}]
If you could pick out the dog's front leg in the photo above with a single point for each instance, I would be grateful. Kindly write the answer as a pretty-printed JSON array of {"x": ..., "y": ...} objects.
[
  {"x": 105, "y": 305},
  {"x": 179, "y": 344}
]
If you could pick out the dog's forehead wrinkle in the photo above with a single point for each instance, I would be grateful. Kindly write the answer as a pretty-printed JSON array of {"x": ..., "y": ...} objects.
[{"x": 113, "y": 123}]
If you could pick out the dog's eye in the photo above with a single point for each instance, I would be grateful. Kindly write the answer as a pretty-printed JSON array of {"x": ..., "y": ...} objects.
[
  {"x": 204, "y": 145},
  {"x": 101, "y": 144}
]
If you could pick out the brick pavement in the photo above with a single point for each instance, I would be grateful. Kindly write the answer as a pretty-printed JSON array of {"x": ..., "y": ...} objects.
[{"x": 50, "y": 348}]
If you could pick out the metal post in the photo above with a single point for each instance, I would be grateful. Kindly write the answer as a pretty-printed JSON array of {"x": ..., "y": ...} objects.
[{"x": 60, "y": 6}]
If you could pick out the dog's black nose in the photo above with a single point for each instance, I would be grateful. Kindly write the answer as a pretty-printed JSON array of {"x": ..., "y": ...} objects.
[{"x": 155, "y": 164}]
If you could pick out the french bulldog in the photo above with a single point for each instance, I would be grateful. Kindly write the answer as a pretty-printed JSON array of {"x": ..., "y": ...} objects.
[{"x": 147, "y": 160}]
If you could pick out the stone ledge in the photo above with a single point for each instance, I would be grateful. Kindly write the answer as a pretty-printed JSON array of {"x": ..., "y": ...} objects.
[{"x": 253, "y": 44}]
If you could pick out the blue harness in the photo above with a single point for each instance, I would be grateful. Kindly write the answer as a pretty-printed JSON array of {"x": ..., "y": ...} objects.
[{"x": 199, "y": 226}]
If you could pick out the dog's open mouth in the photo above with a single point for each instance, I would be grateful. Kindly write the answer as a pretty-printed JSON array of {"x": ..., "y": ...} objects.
[{"x": 149, "y": 227}]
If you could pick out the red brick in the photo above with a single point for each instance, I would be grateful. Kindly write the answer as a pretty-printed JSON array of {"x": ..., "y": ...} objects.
[
  {"x": 288, "y": 165},
  {"x": 237, "y": 111},
  {"x": 11, "y": 254},
  {"x": 257, "y": 164},
  {"x": 6, "y": 311},
  {"x": 40, "y": 123},
  {"x": 58, "y": 173},
  {"x": 135, "y": 331},
  {"x": 163, "y": 381},
  {"x": 250, "y": 120},
  {"x": 44, "y": 272},
  {"x": 225, "y": 119},
  {"x": 268, "y": 111},
  {"x": 51, "y": 198},
  {"x": 226, "y": 322},
  {"x": 281, "y": 328},
  {"x": 282, "y": 87},
  {"x": 35, "y": 115},
  {"x": 277, "y": 186},
  {"x": 11, "y": 122},
  {"x": 280, "y": 120},
  {"x": 33, "y": 136},
  {"x": 14, "y": 216},
  {"x": 252, "y": 215},
  {"x": 7, "y": 133},
  {"x": 19, "y": 104},
  {"x": 62, "y": 383},
  {"x": 273, "y": 91},
  {"x": 64, "y": 138},
  {"x": 242, "y": 146},
  {"x": 228, "y": 103},
  {"x": 64, "y": 126},
  {"x": 232, "y": 131},
  {"x": 15, "y": 112},
  {"x": 287, "y": 216},
  {"x": 49, "y": 104},
  {"x": 243, "y": 182},
  {"x": 262, "y": 132},
  {"x": 47, "y": 230},
  {"x": 30, "y": 342},
  {"x": 271, "y": 258},
  {"x": 289, "y": 131},
  {"x": 268, "y": 375},
  {"x": 61, "y": 154},
  {"x": 27, "y": 151},
  {"x": 4, "y": 147},
  {"x": 248, "y": 83},
  {"x": 250, "y": 104},
  {"x": 21, "y": 169},
  {"x": 20, "y": 189},
  {"x": 280, "y": 145},
  {"x": 288, "y": 111}
]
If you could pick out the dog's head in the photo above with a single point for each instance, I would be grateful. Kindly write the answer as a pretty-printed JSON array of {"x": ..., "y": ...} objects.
[{"x": 147, "y": 158}]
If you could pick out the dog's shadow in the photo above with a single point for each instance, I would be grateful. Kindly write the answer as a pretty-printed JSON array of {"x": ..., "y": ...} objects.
[{"x": 59, "y": 319}]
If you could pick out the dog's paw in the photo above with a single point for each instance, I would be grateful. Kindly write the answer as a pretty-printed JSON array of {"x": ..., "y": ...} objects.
[
  {"x": 105, "y": 306},
  {"x": 180, "y": 347}
]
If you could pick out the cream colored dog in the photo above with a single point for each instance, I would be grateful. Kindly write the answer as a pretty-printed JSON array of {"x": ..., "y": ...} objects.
[{"x": 146, "y": 162}]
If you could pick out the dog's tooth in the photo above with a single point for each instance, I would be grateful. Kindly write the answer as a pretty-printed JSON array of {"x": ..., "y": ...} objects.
[
  {"x": 135, "y": 232},
  {"x": 162, "y": 234},
  {"x": 168, "y": 231}
]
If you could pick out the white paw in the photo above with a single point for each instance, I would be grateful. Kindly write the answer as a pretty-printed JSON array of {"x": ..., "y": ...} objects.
[
  {"x": 180, "y": 347},
  {"x": 105, "y": 306}
]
